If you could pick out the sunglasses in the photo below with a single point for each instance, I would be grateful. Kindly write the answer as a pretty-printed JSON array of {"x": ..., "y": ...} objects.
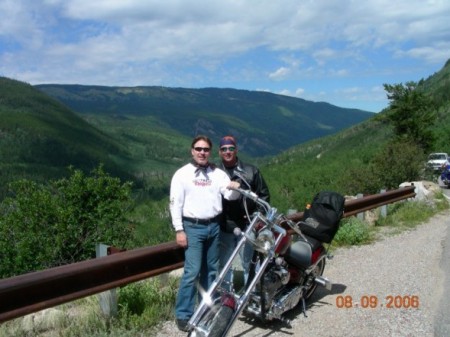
[
  {"x": 225, "y": 149},
  {"x": 200, "y": 149}
]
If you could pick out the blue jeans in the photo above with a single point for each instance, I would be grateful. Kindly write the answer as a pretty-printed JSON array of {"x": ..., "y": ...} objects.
[
  {"x": 228, "y": 242},
  {"x": 201, "y": 262}
]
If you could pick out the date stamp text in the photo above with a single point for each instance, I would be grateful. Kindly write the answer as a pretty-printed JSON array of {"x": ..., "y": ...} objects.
[{"x": 373, "y": 301}]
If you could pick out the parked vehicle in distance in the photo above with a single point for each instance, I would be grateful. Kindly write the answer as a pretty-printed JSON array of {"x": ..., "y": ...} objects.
[
  {"x": 445, "y": 175},
  {"x": 436, "y": 160}
]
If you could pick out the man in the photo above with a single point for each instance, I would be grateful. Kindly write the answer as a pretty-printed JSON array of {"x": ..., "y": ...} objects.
[
  {"x": 196, "y": 193},
  {"x": 234, "y": 211}
]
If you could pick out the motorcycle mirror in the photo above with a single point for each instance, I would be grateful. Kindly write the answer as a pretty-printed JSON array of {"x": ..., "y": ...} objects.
[{"x": 239, "y": 175}]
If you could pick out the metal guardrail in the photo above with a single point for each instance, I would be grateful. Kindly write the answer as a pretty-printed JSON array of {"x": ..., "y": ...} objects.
[{"x": 28, "y": 293}]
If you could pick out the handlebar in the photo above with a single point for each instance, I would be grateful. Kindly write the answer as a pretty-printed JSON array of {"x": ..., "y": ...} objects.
[
  {"x": 271, "y": 212},
  {"x": 253, "y": 196}
]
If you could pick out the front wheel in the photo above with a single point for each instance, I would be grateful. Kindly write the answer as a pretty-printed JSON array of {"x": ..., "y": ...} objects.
[
  {"x": 317, "y": 271},
  {"x": 214, "y": 324},
  {"x": 221, "y": 321}
]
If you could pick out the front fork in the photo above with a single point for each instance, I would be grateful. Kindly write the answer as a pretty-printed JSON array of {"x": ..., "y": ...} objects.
[{"x": 210, "y": 297}]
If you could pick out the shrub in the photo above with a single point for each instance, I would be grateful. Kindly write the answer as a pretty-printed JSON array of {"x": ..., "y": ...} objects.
[
  {"x": 353, "y": 232},
  {"x": 398, "y": 162},
  {"x": 144, "y": 304},
  {"x": 42, "y": 226}
]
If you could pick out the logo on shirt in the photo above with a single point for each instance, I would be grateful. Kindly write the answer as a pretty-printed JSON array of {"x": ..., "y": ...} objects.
[{"x": 202, "y": 182}]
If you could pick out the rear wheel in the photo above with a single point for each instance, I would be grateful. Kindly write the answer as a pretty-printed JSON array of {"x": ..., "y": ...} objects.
[{"x": 317, "y": 271}]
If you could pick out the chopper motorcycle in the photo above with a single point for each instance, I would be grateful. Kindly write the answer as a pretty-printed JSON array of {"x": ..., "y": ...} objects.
[{"x": 286, "y": 269}]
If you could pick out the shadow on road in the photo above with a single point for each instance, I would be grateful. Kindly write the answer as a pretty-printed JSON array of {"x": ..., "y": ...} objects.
[{"x": 284, "y": 326}]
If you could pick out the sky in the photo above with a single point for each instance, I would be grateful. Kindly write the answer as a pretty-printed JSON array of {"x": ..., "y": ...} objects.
[{"x": 335, "y": 51}]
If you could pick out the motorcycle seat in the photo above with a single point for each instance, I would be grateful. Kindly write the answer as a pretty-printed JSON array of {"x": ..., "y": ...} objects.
[
  {"x": 314, "y": 243},
  {"x": 300, "y": 252}
]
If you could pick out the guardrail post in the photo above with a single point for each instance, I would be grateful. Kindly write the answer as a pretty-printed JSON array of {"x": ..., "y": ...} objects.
[
  {"x": 383, "y": 209},
  {"x": 360, "y": 216},
  {"x": 107, "y": 299}
]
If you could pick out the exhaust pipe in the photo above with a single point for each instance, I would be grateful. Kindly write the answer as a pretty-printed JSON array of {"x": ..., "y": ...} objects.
[{"x": 324, "y": 282}]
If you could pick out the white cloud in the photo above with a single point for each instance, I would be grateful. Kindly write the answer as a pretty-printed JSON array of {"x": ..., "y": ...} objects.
[
  {"x": 351, "y": 91},
  {"x": 285, "y": 92},
  {"x": 215, "y": 42},
  {"x": 324, "y": 54},
  {"x": 377, "y": 89},
  {"x": 430, "y": 54},
  {"x": 279, "y": 74},
  {"x": 339, "y": 72},
  {"x": 299, "y": 92}
]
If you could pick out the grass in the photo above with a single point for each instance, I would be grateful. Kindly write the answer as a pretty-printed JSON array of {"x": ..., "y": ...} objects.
[
  {"x": 408, "y": 215},
  {"x": 141, "y": 306},
  {"x": 401, "y": 216}
]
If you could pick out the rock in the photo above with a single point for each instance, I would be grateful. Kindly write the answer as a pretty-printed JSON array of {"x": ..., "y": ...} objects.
[
  {"x": 425, "y": 190},
  {"x": 43, "y": 320}
]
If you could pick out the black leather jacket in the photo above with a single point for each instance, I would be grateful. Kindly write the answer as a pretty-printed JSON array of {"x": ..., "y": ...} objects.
[{"x": 234, "y": 210}]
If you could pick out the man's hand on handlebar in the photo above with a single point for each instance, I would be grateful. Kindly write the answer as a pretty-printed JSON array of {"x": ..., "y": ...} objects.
[{"x": 233, "y": 185}]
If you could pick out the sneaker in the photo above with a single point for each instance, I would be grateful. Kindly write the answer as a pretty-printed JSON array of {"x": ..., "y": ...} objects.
[{"x": 182, "y": 324}]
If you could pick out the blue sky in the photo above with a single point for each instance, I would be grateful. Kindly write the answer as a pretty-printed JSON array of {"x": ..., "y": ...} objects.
[{"x": 335, "y": 51}]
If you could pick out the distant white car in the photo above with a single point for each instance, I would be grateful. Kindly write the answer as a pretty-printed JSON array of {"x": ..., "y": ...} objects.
[{"x": 436, "y": 160}]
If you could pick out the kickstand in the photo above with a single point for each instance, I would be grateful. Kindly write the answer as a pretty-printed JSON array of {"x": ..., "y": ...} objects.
[{"x": 304, "y": 307}]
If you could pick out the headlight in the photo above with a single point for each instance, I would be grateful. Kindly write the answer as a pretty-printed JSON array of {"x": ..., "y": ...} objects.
[{"x": 265, "y": 240}]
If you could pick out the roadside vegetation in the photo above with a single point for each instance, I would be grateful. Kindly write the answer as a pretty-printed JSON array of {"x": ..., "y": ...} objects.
[
  {"x": 401, "y": 216},
  {"x": 145, "y": 304},
  {"x": 142, "y": 305}
]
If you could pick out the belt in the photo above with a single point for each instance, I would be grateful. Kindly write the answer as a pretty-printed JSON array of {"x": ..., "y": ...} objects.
[{"x": 203, "y": 221}]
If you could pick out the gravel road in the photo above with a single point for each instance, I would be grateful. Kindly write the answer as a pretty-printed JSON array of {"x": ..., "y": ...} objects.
[{"x": 399, "y": 266}]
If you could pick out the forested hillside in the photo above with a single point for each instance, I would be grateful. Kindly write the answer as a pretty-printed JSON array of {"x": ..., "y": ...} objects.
[
  {"x": 264, "y": 123},
  {"x": 40, "y": 138},
  {"x": 143, "y": 134},
  {"x": 438, "y": 87}
]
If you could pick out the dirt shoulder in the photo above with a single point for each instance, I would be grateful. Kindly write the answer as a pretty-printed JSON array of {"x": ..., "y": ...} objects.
[{"x": 400, "y": 269}]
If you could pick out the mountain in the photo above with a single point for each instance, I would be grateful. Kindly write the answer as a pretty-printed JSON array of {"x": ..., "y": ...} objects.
[
  {"x": 40, "y": 137},
  {"x": 264, "y": 123}
]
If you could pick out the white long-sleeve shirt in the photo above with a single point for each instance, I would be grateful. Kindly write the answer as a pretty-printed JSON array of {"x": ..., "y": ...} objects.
[{"x": 198, "y": 194}]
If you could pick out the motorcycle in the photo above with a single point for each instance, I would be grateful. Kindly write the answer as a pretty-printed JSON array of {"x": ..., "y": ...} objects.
[
  {"x": 286, "y": 269},
  {"x": 445, "y": 175}
]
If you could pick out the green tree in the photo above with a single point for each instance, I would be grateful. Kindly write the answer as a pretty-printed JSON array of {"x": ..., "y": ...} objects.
[
  {"x": 399, "y": 161},
  {"x": 43, "y": 226},
  {"x": 412, "y": 114}
]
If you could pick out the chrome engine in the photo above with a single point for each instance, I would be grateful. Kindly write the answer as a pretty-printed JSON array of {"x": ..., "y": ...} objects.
[{"x": 277, "y": 295}]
